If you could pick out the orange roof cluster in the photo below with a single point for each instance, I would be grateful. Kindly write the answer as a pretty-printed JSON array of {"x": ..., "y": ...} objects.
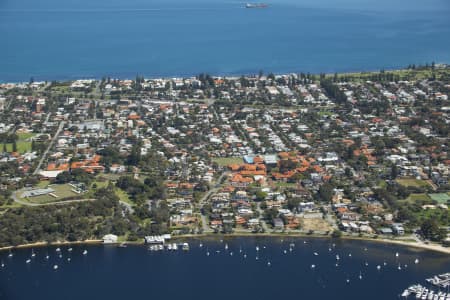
[
  {"x": 241, "y": 179},
  {"x": 89, "y": 166},
  {"x": 55, "y": 167}
]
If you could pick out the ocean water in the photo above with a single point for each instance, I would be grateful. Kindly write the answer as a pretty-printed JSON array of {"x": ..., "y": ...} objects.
[
  {"x": 54, "y": 39},
  {"x": 109, "y": 272}
]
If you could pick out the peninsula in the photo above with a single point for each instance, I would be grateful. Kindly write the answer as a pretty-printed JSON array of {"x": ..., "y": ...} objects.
[{"x": 360, "y": 155}]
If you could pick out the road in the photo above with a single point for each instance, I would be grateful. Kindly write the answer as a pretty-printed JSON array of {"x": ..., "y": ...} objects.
[
  {"x": 44, "y": 155},
  {"x": 261, "y": 213},
  {"x": 205, "y": 227}
]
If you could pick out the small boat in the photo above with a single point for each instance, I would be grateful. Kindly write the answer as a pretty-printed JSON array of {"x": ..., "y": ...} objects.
[
  {"x": 60, "y": 256},
  {"x": 226, "y": 246},
  {"x": 416, "y": 261},
  {"x": 396, "y": 254},
  {"x": 378, "y": 267},
  {"x": 337, "y": 257},
  {"x": 185, "y": 247},
  {"x": 329, "y": 249},
  {"x": 385, "y": 263},
  {"x": 284, "y": 251},
  {"x": 28, "y": 261},
  {"x": 70, "y": 249},
  {"x": 245, "y": 255},
  {"x": 240, "y": 249},
  {"x": 366, "y": 263},
  {"x": 268, "y": 263},
  {"x": 3, "y": 264},
  {"x": 348, "y": 280},
  {"x": 85, "y": 252},
  {"x": 10, "y": 255},
  {"x": 257, "y": 258},
  {"x": 32, "y": 253},
  {"x": 69, "y": 259},
  {"x": 58, "y": 249},
  {"x": 231, "y": 253},
  {"x": 399, "y": 267},
  {"x": 313, "y": 266},
  {"x": 257, "y": 248},
  {"x": 316, "y": 254},
  {"x": 349, "y": 255},
  {"x": 360, "y": 275},
  {"x": 337, "y": 265},
  {"x": 201, "y": 245},
  {"x": 55, "y": 267},
  {"x": 47, "y": 257}
]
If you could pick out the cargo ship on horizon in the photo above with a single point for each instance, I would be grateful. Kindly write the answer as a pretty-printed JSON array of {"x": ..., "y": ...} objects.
[{"x": 256, "y": 5}]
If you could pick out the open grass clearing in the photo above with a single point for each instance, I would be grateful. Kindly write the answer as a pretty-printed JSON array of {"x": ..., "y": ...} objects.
[
  {"x": 225, "y": 161},
  {"x": 406, "y": 182},
  {"x": 62, "y": 192}
]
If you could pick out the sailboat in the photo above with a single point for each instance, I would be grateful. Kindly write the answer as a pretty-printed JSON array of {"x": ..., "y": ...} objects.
[
  {"x": 399, "y": 267},
  {"x": 360, "y": 275},
  {"x": 226, "y": 246},
  {"x": 396, "y": 254}
]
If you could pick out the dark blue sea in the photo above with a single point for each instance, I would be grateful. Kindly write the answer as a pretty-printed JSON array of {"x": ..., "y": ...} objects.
[
  {"x": 110, "y": 272},
  {"x": 66, "y": 39}
]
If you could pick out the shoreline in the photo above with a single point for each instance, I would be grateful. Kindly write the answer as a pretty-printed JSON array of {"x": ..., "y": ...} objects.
[
  {"x": 426, "y": 247},
  {"x": 213, "y": 74}
]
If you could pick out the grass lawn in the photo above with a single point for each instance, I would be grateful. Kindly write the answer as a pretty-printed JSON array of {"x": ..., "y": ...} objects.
[
  {"x": 225, "y": 161},
  {"x": 418, "y": 197},
  {"x": 123, "y": 196},
  {"x": 23, "y": 143},
  {"x": 412, "y": 182},
  {"x": 62, "y": 191},
  {"x": 286, "y": 184}
]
